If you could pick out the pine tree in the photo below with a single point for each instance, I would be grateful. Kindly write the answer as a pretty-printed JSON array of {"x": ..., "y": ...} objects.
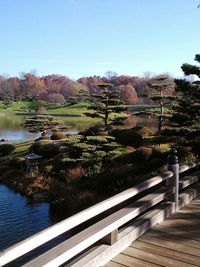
[
  {"x": 107, "y": 103},
  {"x": 187, "y": 111},
  {"x": 159, "y": 87},
  {"x": 40, "y": 123}
]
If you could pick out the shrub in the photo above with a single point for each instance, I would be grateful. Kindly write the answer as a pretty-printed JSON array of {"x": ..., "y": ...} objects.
[
  {"x": 47, "y": 169},
  {"x": 161, "y": 152},
  {"x": 58, "y": 136},
  {"x": 127, "y": 137},
  {"x": 94, "y": 130},
  {"x": 6, "y": 149},
  {"x": 141, "y": 154},
  {"x": 143, "y": 131},
  {"x": 45, "y": 149},
  {"x": 110, "y": 146},
  {"x": 74, "y": 174},
  {"x": 76, "y": 150},
  {"x": 64, "y": 163},
  {"x": 156, "y": 164},
  {"x": 18, "y": 162},
  {"x": 96, "y": 139},
  {"x": 185, "y": 154}
]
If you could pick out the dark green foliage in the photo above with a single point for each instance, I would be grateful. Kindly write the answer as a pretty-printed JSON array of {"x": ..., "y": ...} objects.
[
  {"x": 58, "y": 136},
  {"x": 161, "y": 153},
  {"x": 141, "y": 154},
  {"x": 76, "y": 150},
  {"x": 143, "y": 131},
  {"x": 41, "y": 123},
  {"x": 159, "y": 87},
  {"x": 127, "y": 137},
  {"x": 107, "y": 102},
  {"x": 187, "y": 111},
  {"x": 45, "y": 149},
  {"x": 18, "y": 162},
  {"x": 185, "y": 154},
  {"x": 6, "y": 149},
  {"x": 157, "y": 164},
  {"x": 94, "y": 130},
  {"x": 96, "y": 139}
]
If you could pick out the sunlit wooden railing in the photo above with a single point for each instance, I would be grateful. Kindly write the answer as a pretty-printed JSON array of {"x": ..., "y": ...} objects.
[{"x": 106, "y": 229}]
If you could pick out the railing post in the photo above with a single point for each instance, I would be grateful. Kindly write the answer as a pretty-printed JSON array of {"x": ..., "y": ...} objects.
[
  {"x": 111, "y": 238},
  {"x": 174, "y": 167}
]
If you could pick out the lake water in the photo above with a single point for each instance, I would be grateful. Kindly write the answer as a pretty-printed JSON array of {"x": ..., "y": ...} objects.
[
  {"x": 12, "y": 130},
  {"x": 20, "y": 219}
]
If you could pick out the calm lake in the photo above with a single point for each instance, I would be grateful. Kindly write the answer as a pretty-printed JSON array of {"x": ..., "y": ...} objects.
[
  {"x": 20, "y": 219},
  {"x": 12, "y": 130}
]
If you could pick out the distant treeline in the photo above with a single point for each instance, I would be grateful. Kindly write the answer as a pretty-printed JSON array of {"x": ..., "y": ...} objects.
[{"x": 60, "y": 89}]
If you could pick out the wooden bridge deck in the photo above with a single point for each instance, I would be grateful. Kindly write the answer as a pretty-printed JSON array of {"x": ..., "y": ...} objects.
[{"x": 174, "y": 242}]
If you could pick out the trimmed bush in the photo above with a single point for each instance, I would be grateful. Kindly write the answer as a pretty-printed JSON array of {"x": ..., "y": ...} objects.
[
  {"x": 96, "y": 139},
  {"x": 58, "y": 136},
  {"x": 143, "y": 131},
  {"x": 6, "y": 149},
  {"x": 141, "y": 154},
  {"x": 44, "y": 149},
  {"x": 127, "y": 137},
  {"x": 161, "y": 152},
  {"x": 77, "y": 149}
]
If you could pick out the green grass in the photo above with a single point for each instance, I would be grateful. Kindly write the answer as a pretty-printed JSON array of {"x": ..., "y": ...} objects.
[
  {"x": 142, "y": 107},
  {"x": 21, "y": 106},
  {"x": 78, "y": 109}
]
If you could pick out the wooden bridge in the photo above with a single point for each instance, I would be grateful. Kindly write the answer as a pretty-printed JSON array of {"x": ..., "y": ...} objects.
[
  {"x": 174, "y": 242},
  {"x": 120, "y": 235}
]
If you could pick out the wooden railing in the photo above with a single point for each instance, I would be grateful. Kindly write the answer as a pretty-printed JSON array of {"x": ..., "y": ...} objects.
[{"x": 106, "y": 229}]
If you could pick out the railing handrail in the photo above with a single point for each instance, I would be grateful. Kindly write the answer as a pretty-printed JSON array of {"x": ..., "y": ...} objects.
[{"x": 51, "y": 232}]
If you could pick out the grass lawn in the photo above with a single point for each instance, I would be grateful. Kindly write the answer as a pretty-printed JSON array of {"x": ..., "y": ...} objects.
[
  {"x": 142, "y": 107},
  {"x": 26, "y": 107}
]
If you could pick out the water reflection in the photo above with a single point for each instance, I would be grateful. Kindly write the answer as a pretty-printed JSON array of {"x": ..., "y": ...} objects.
[{"x": 12, "y": 130}]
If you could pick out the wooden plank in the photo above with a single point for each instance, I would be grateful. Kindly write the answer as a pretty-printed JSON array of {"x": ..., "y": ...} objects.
[
  {"x": 188, "y": 180},
  {"x": 181, "y": 224},
  {"x": 170, "y": 245},
  {"x": 186, "y": 216},
  {"x": 154, "y": 258},
  {"x": 128, "y": 234},
  {"x": 114, "y": 264},
  {"x": 185, "y": 240},
  {"x": 176, "y": 231},
  {"x": 130, "y": 261},
  {"x": 166, "y": 252}
]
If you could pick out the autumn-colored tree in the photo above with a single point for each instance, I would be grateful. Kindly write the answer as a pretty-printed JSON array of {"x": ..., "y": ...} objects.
[
  {"x": 128, "y": 94},
  {"x": 31, "y": 86},
  {"x": 55, "y": 98}
]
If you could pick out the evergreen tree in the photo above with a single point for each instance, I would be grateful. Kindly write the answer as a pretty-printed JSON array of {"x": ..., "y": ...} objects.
[
  {"x": 107, "y": 104},
  {"x": 159, "y": 93},
  {"x": 41, "y": 123},
  {"x": 187, "y": 111}
]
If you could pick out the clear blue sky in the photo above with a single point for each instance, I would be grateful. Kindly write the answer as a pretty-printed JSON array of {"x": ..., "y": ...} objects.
[{"x": 89, "y": 37}]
